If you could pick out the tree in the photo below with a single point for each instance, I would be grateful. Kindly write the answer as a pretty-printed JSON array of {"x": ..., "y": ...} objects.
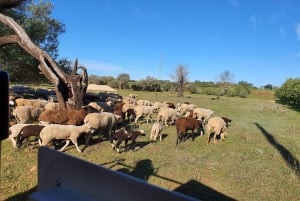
[
  {"x": 180, "y": 76},
  {"x": 70, "y": 88},
  {"x": 289, "y": 92},
  {"x": 268, "y": 87},
  {"x": 42, "y": 31},
  {"x": 226, "y": 78},
  {"x": 122, "y": 79}
]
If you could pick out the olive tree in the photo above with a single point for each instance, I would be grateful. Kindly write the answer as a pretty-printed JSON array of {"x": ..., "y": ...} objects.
[{"x": 70, "y": 88}]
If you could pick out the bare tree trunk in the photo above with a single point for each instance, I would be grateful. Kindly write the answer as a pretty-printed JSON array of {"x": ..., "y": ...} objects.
[{"x": 69, "y": 88}]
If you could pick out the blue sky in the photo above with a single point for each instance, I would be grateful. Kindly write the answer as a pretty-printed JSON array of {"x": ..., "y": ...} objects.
[{"x": 258, "y": 41}]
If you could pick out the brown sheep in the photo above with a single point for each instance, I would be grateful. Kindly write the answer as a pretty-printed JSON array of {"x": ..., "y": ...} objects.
[
  {"x": 183, "y": 124},
  {"x": 65, "y": 117}
]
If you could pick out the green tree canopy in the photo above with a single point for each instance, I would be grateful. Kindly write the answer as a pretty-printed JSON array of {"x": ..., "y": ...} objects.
[
  {"x": 35, "y": 19},
  {"x": 289, "y": 92}
]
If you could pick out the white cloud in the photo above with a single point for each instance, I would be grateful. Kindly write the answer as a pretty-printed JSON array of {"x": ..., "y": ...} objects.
[
  {"x": 235, "y": 3},
  {"x": 298, "y": 31}
]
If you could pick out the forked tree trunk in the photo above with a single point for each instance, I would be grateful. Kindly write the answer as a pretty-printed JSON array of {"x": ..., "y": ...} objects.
[{"x": 70, "y": 89}]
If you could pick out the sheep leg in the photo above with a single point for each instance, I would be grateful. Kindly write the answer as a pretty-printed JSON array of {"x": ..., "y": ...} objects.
[
  {"x": 215, "y": 138},
  {"x": 67, "y": 143}
]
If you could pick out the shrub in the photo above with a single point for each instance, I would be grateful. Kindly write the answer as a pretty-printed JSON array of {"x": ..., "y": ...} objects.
[{"x": 289, "y": 92}]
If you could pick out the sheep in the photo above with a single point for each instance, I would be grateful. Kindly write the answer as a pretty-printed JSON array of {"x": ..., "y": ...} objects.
[
  {"x": 217, "y": 125},
  {"x": 183, "y": 124},
  {"x": 64, "y": 132},
  {"x": 183, "y": 108},
  {"x": 103, "y": 122},
  {"x": 165, "y": 114},
  {"x": 156, "y": 131},
  {"x": 101, "y": 106},
  {"x": 30, "y": 102},
  {"x": 27, "y": 114},
  {"x": 14, "y": 130},
  {"x": 119, "y": 123},
  {"x": 169, "y": 104},
  {"x": 202, "y": 113},
  {"x": 125, "y": 135},
  {"x": 143, "y": 102},
  {"x": 65, "y": 117},
  {"x": 157, "y": 105},
  {"x": 143, "y": 110},
  {"x": 52, "y": 106},
  {"x": 28, "y": 131}
]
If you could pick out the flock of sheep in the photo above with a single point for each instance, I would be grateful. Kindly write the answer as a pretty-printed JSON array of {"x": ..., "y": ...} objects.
[{"x": 112, "y": 120}]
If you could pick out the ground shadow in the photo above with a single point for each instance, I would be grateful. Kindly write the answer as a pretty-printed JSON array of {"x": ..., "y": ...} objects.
[
  {"x": 291, "y": 161},
  {"x": 144, "y": 169},
  {"x": 23, "y": 196},
  {"x": 200, "y": 191}
]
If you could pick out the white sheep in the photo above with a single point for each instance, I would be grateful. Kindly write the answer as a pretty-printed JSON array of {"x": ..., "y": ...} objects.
[
  {"x": 103, "y": 122},
  {"x": 165, "y": 114},
  {"x": 26, "y": 114},
  {"x": 184, "y": 107},
  {"x": 141, "y": 110},
  {"x": 30, "y": 102},
  {"x": 101, "y": 106},
  {"x": 14, "y": 130},
  {"x": 216, "y": 125},
  {"x": 202, "y": 114},
  {"x": 157, "y": 105},
  {"x": 156, "y": 131},
  {"x": 64, "y": 132},
  {"x": 52, "y": 106}
]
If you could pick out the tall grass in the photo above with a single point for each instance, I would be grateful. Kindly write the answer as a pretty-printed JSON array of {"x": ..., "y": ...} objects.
[{"x": 259, "y": 159}]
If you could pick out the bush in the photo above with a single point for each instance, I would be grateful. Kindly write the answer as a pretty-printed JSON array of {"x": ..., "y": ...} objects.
[{"x": 289, "y": 92}]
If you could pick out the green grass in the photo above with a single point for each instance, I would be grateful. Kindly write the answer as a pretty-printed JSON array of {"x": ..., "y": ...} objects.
[{"x": 259, "y": 159}]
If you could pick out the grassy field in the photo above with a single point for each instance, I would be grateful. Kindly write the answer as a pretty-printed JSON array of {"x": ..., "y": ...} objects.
[{"x": 259, "y": 159}]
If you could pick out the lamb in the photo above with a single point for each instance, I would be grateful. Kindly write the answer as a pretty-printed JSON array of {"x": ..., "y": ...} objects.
[
  {"x": 102, "y": 123},
  {"x": 183, "y": 124},
  {"x": 28, "y": 131},
  {"x": 167, "y": 114},
  {"x": 64, "y": 132},
  {"x": 125, "y": 135},
  {"x": 65, "y": 117},
  {"x": 141, "y": 110},
  {"x": 156, "y": 131},
  {"x": 27, "y": 114},
  {"x": 14, "y": 130},
  {"x": 217, "y": 125}
]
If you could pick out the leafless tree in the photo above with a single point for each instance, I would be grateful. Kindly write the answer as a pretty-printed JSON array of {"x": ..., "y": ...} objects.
[
  {"x": 70, "y": 89},
  {"x": 226, "y": 79},
  {"x": 181, "y": 78}
]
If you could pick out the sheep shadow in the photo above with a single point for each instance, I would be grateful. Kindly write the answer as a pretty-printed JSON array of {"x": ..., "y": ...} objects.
[
  {"x": 134, "y": 146},
  {"x": 290, "y": 160}
]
